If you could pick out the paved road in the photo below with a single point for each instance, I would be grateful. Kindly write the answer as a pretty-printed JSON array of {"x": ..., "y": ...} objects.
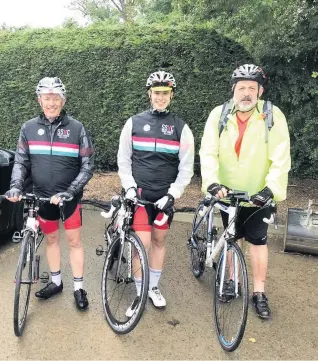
[{"x": 56, "y": 330}]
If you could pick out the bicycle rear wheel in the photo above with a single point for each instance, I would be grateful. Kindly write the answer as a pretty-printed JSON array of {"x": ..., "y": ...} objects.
[
  {"x": 23, "y": 282},
  {"x": 230, "y": 297},
  {"x": 198, "y": 243},
  {"x": 118, "y": 294}
]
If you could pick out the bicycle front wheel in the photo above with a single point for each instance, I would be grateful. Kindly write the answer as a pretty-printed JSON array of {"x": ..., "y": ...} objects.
[
  {"x": 230, "y": 297},
  {"x": 198, "y": 243},
  {"x": 23, "y": 282},
  {"x": 123, "y": 306}
]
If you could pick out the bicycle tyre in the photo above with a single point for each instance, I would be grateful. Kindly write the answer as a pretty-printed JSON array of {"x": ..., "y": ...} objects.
[
  {"x": 199, "y": 236},
  {"x": 122, "y": 324},
  {"x": 23, "y": 264},
  {"x": 230, "y": 342}
]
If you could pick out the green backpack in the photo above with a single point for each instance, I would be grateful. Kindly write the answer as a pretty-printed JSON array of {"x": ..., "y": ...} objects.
[{"x": 267, "y": 110}]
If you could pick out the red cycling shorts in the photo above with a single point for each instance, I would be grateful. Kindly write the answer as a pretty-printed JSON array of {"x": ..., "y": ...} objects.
[
  {"x": 144, "y": 217},
  {"x": 49, "y": 216}
]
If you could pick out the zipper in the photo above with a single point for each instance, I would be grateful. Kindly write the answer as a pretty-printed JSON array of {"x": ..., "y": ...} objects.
[
  {"x": 52, "y": 135},
  {"x": 156, "y": 135},
  {"x": 51, "y": 138}
]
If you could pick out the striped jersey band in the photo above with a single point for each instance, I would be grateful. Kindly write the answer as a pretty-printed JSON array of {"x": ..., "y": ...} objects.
[
  {"x": 155, "y": 145},
  {"x": 59, "y": 149}
]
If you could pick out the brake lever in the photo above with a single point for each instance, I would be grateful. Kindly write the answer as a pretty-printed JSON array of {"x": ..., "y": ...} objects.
[
  {"x": 165, "y": 218},
  {"x": 61, "y": 205},
  {"x": 162, "y": 221}
]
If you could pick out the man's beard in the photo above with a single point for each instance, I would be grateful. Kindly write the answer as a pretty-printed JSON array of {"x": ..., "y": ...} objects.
[{"x": 244, "y": 107}]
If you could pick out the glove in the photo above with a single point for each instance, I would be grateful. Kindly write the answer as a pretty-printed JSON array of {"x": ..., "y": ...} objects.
[
  {"x": 215, "y": 188},
  {"x": 64, "y": 196},
  {"x": 263, "y": 197},
  {"x": 165, "y": 202},
  {"x": 131, "y": 194},
  {"x": 13, "y": 193},
  {"x": 67, "y": 196}
]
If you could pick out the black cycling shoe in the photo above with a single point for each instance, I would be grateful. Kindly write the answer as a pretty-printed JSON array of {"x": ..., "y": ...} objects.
[
  {"x": 49, "y": 290},
  {"x": 81, "y": 299},
  {"x": 260, "y": 304}
]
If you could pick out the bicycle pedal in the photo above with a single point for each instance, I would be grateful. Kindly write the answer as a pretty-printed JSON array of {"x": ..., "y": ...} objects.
[
  {"x": 44, "y": 277},
  {"x": 17, "y": 237},
  {"x": 100, "y": 250}
]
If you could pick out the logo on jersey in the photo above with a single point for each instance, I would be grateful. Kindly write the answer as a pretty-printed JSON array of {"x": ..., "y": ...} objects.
[
  {"x": 63, "y": 133},
  {"x": 41, "y": 131},
  {"x": 147, "y": 128},
  {"x": 167, "y": 129}
]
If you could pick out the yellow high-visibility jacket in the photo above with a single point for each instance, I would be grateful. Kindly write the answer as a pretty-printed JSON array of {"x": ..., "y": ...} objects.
[{"x": 259, "y": 164}]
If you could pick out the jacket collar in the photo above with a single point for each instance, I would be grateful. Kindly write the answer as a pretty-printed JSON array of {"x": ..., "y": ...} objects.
[
  {"x": 63, "y": 118},
  {"x": 161, "y": 114}
]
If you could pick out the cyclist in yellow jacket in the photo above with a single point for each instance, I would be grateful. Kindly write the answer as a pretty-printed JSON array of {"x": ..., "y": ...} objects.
[{"x": 242, "y": 158}]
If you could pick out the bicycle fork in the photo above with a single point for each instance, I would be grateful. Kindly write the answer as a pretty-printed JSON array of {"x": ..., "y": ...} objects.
[{"x": 230, "y": 258}]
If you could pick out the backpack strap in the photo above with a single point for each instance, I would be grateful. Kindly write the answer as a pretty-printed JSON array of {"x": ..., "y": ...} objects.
[
  {"x": 226, "y": 110},
  {"x": 268, "y": 111}
]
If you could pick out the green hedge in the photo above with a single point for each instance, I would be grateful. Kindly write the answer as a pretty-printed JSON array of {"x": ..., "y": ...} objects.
[
  {"x": 293, "y": 88},
  {"x": 105, "y": 70}
]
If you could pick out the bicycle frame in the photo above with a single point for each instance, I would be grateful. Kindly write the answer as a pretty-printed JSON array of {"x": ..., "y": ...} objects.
[
  {"x": 32, "y": 225},
  {"x": 207, "y": 216},
  {"x": 229, "y": 232},
  {"x": 120, "y": 223},
  {"x": 121, "y": 215}
]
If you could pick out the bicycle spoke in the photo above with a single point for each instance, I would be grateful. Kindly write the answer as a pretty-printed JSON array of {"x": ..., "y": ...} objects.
[
  {"x": 118, "y": 294},
  {"x": 230, "y": 307},
  {"x": 23, "y": 281},
  {"x": 198, "y": 244}
]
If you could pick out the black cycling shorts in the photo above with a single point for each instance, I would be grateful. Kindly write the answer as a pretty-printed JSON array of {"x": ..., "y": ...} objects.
[{"x": 250, "y": 225}]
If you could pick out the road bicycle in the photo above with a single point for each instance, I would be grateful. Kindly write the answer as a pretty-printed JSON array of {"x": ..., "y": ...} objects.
[
  {"x": 28, "y": 269},
  {"x": 230, "y": 284},
  {"x": 125, "y": 258}
]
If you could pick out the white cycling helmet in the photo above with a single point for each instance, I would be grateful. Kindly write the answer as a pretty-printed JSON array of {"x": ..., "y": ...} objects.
[
  {"x": 161, "y": 81},
  {"x": 51, "y": 86}
]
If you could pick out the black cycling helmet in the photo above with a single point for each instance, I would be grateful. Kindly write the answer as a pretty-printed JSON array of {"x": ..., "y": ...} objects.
[{"x": 248, "y": 72}]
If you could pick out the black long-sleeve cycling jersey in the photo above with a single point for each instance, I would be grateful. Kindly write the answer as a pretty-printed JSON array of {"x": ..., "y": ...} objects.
[{"x": 59, "y": 156}]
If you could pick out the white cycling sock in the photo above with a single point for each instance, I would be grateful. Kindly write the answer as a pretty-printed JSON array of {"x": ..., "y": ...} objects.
[
  {"x": 56, "y": 278},
  {"x": 154, "y": 277},
  {"x": 78, "y": 283}
]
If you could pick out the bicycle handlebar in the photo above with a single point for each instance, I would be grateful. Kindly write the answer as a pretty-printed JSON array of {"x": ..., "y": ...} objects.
[
  {"x": 137, "y": 202},
  {"x": 241, "y": 196},
  {"x": 34, "y": 198}
]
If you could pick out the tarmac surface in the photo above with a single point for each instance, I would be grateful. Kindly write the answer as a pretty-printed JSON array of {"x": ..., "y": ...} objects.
[{"x": 55, "y": 330}]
